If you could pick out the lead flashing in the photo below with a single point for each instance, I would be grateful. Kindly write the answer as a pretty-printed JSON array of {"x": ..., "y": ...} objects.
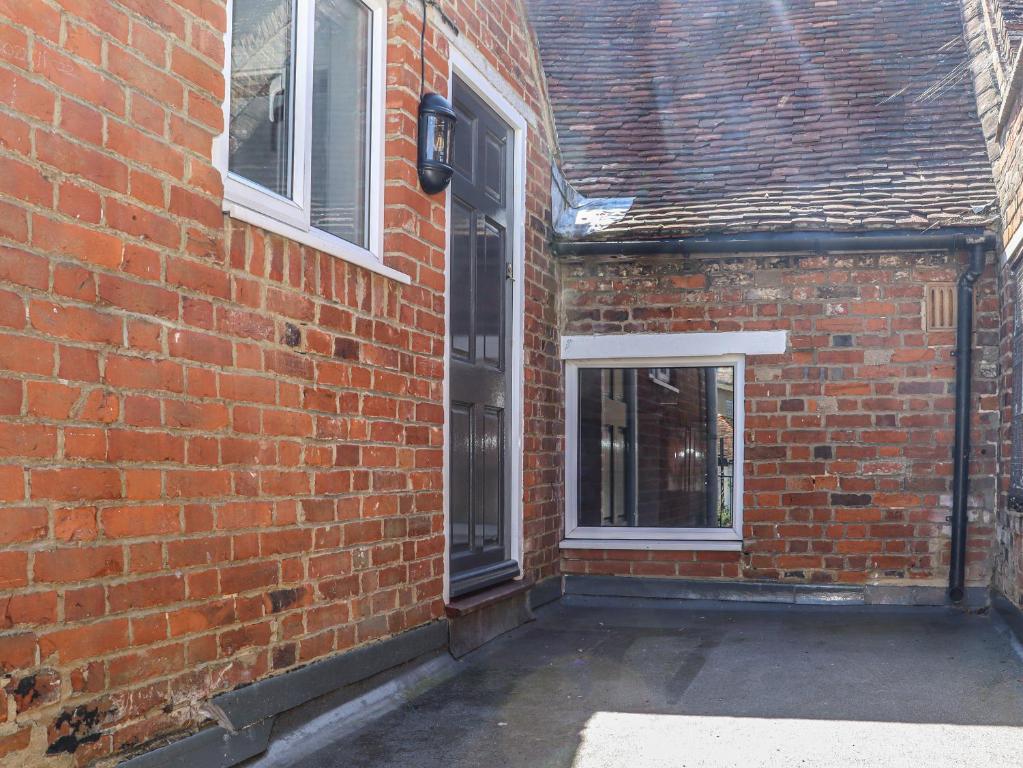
[
  {"x": 248, "y": 705},
  {"x": 637, "y": 587},
  {"x": 575, "y": 215},
  {"x": 211, "y": 748}
]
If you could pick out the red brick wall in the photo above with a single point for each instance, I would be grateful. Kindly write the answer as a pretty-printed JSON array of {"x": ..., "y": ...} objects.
[
  {"x": 220, "y": 452},
  {"x": 848, "y": 435}
]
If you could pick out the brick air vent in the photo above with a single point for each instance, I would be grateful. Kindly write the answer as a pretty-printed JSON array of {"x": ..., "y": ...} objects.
[{"x": 940, "y": 307}]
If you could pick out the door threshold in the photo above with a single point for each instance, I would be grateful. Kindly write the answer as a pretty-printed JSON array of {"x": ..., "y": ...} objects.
[
  {"x": 477, "y": 601},
  {"x": 478, "y": 618},
  {"x": 483, "y": 578}
]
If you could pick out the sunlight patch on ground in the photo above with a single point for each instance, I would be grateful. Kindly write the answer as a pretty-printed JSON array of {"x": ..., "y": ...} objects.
[{"x": 620, "y": 740}]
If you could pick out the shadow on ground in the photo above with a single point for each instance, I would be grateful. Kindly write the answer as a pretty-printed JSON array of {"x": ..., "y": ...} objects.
[{"x": 608, "y": 685}]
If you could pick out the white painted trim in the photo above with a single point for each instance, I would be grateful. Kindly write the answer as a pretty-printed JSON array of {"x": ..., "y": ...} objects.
[
  {"x": 677, "y": 545},
  {"x": 221, "y": 144},
  {"x": 644, "y": 346},
  {"x": 378, "y": 128},
  {"x": 652, "y": 534},
  {"x": 320, "y": 240},
  {"x": 488, "y": 87},
  {"x": 279, "y": 212},
  {"x": 465, "y": 57},
  {"x": 664, "y": 538},
  {"x": 297, "y": 747},
  {"x": 290, "y": 217},
  {"x": 301, "y": 159},
  {"x": 1012, "y": 248}
]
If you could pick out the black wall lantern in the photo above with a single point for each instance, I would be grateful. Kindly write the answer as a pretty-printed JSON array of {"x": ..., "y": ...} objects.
[{"x": 436, "y": 133}]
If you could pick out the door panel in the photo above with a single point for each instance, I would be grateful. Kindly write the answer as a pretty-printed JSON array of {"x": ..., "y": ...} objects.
[
  {"x": 463, "y": 155},
  {"x": 490, "y": 279},
  {"x": 494, "y": 167},
  {"x": 462, "y": 227},
  {"x": 461, "y": 473},
  {"x": 480, "y": 311},
  {"x": 489, "y": 527}
]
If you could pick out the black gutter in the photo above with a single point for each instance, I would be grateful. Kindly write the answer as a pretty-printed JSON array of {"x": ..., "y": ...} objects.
[
  {"x": 961, "y": 451},
  {"x": 775, "y": 242},
  {"x": 973, "y": 239}
]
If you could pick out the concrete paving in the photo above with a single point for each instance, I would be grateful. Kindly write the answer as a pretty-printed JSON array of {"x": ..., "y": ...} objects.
[{"x": 618, "y": 684}]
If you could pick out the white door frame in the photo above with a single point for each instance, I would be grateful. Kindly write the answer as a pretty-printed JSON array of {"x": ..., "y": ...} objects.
[{"x": 489, "y": 89}]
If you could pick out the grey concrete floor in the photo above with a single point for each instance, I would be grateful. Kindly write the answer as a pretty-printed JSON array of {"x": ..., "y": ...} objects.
[{"x": 621, "y": 684}]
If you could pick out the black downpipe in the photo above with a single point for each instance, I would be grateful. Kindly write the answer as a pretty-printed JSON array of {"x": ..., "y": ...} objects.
[{"x": 961, "y": 450}]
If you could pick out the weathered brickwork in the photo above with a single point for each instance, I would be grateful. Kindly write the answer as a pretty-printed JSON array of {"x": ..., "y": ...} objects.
[
  {"x": 992, "y": 33},
  {"x": 220, "y": 452},
  {"x": 1008, "y": 174},
  {"x": 1007, "y": 554},
  {"x": 848, "y": 435},
  {"x": 992, "y": 45}
]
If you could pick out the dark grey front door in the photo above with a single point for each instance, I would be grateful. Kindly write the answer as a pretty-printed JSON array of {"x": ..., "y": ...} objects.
[{"x": 481, "y": 311}]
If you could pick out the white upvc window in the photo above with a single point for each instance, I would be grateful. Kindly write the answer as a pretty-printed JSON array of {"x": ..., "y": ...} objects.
[
  {"x": 302, "y": 151},
  {"x": 654, "y": 438}
]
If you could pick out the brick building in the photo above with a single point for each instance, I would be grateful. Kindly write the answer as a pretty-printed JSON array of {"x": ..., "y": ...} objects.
[
  {"x": 222, "y": 445},
  {"x": 993, "y": 32},
  {"x": 273, "y": 419},
  {"x": 849, "y": 422}
]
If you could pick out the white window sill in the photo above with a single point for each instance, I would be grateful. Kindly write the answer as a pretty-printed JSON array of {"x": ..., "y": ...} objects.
[
  {"x": 321, "y": 241},
  {"x": 663, "y": 545}
]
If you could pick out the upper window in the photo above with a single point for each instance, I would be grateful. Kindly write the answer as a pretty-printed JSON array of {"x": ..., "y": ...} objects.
[{"x": 304, "y": 120}]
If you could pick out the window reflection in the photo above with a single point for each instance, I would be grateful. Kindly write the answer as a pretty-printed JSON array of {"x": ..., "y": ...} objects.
[
  {"x": 260, "y": 136},
  {"x": 656, "y": 447},
  {"x": 340, "y": 137}
]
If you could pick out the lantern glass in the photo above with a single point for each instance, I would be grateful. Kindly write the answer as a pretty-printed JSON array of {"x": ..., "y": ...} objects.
[{"x": 438, "y": 138}]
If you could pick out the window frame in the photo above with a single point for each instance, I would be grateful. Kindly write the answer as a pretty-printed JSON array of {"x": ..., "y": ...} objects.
[
  {"x": 669, "y": 350},
  {"x": 249, "y": 202}
]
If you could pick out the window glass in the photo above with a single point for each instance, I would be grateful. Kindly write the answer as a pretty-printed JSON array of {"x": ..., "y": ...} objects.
[
  {"x": 340, "y": 147},
  {"x": 262, "y": 110},
  {"x": 656, "y": 447}
]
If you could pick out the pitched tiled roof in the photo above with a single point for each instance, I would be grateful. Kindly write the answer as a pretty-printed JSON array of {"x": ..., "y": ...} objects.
[{"x": 746, "y": 115}]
